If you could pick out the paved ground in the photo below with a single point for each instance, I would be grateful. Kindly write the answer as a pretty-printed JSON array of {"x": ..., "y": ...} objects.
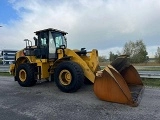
[{"x": 45, "y": 101}]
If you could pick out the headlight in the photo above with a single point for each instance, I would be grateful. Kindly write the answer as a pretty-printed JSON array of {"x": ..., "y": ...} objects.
[{"x": 24, "y": 52}]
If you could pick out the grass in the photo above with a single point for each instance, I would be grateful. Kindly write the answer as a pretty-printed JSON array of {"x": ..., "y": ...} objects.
[
  {"x": 152, "y": 68},
  {"x": 151, "y": 82},
  {"x": 4, "y": 74},
  {"x": 147, "y": 64}
]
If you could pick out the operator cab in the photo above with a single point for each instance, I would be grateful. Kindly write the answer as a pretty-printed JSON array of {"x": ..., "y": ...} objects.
[{"x": 48, "y": 41}]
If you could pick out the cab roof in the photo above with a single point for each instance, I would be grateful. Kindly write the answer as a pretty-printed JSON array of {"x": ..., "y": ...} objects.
[{"x": 51, "y": 29}]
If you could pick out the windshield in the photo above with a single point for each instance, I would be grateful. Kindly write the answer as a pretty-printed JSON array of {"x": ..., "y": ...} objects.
[{"x": 59, "y": 39}]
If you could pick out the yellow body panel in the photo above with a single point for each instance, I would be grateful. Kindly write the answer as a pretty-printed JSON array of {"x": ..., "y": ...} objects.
[
  {"x": 19, "y": 54},
  {"x": 43, "y": 63},
  {"x": 44, "y": 69},
  {"x": 11, "y": 69}
]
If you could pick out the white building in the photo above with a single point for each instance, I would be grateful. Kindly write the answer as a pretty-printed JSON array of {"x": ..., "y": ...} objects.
[{"x": 7, "y": 55}]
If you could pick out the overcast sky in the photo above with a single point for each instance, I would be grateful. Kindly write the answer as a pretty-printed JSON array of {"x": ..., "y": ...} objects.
[{"x": 102, "y": 24}]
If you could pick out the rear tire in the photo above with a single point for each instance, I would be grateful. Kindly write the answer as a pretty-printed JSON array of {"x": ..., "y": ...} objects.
[
  {"x": 69, "y": 76},
  {"x": 25, "y": 75}
]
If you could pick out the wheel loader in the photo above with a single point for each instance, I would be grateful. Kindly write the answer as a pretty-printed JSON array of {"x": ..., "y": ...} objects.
[{"x": 49, "y": 57}]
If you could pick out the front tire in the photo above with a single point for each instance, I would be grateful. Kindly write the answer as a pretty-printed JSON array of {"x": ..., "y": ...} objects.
[
  {"x": 25, "y": 75},
  {"x": 69, "y": 76}
]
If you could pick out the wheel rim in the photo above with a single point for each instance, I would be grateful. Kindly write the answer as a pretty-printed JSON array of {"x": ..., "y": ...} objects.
[
  {"x": 22, "y": 75},
  {"x": 65, "y": 77}
]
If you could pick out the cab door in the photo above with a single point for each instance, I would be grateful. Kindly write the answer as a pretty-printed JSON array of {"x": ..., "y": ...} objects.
[{"x": 52, "y": 47}]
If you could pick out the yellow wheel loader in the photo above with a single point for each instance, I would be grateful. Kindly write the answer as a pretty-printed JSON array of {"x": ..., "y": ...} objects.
[{"x": 70, "y": 69}]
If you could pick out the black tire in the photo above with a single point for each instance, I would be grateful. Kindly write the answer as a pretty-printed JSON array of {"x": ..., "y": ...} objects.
[
  {"x": 76, "y": 76},
  {"x": 25, "y": 75},
  {"x": 52, "y": 77}
]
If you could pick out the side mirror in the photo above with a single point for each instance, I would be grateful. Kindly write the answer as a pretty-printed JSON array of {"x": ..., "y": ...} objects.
[
  {"x": 35, "y": 38},
  {"x": 36, "y": 41}
]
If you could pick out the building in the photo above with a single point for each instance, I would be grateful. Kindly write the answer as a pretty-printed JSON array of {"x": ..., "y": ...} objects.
[{"x": 7, "y": 56}]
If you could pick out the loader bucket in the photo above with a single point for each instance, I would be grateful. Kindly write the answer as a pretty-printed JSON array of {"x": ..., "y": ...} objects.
[{"x": 123, "y": 86}]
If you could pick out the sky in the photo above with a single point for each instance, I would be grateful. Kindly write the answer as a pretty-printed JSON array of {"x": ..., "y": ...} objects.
[{"x": 105, "y": 25}]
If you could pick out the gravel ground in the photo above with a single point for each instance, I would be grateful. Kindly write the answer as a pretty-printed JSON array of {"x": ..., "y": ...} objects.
[{"x": 45, "y": 101}]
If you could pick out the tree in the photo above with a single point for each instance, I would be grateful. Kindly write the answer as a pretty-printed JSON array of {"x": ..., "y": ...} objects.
[
  {"x": 136, "y": 51},
  {"x": 112, "y": 56},
  {"x": 102, "y": 58},
  {"x": 157, "y": 56}
]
